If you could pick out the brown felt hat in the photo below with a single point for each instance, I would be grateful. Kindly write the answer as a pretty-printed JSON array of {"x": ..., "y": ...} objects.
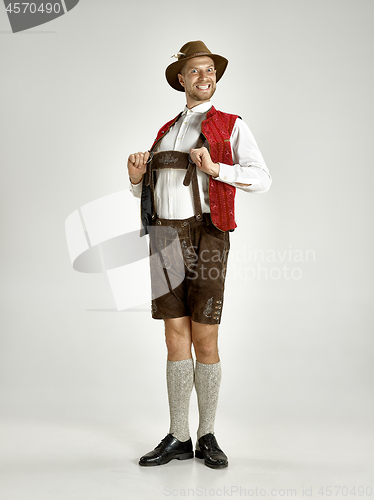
[{"x": 188, "y": 51}]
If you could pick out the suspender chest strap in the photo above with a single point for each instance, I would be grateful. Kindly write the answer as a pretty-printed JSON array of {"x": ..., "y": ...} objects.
[{"x": 173, "y": 160}]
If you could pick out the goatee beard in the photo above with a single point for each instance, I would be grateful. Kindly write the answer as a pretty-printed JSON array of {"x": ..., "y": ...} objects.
[{"x": 198, "y": 97}]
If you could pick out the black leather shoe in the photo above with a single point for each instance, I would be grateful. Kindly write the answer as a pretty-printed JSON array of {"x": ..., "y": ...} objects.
[
  {"x": 168, "y": 449},
  {"x": 207, "y": 448}
]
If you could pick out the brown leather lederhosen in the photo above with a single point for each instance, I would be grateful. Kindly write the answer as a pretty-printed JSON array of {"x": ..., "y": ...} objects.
[{"x": 172, "y": 246}]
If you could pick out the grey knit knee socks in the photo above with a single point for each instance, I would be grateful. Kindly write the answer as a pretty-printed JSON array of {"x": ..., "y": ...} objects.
[
  {"x": 207, "y": 382},
  {"x": 180, "y": 380}
]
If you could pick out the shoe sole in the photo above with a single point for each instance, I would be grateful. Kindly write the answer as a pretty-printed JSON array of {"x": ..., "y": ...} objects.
[
  {"x": 183, "y": 456},
  {"x": 199, "y": 454}
]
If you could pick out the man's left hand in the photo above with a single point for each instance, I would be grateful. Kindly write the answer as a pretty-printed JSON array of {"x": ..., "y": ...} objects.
[{"x": 203, "y": 161}]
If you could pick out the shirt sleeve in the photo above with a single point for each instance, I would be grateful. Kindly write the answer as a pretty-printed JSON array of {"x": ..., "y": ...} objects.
[
  {"x": 249, "y": 165},
  {"x": 136, "y": 189}
]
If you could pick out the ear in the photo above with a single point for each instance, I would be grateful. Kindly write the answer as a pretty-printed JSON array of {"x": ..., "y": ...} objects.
[{"x": 181, "y": 80}]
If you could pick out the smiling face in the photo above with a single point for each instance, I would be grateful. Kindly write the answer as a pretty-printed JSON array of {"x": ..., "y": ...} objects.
[{"x": 198, "y": 78}]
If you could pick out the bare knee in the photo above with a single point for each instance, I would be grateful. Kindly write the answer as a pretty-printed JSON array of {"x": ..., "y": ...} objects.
[
  {"x": 206, "y": 352},
  {"x": 178, "y": 338},
  {"x": 205, "y": 341}
]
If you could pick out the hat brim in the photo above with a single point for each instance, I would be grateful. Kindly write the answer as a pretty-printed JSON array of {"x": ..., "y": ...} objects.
[{"x": 175, "y": 68}]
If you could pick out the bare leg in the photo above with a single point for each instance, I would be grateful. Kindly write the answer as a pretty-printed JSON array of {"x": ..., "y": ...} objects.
[
  {"x": 205, "y": 341},
  {"x": 178, "y": 338}
]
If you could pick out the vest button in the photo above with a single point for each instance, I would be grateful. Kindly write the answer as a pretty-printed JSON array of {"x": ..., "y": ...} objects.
[{"x": 159, "y": 223}]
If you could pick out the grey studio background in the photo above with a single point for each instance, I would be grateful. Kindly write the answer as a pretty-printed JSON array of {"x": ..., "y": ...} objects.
[{"x": 83, "y": 392}]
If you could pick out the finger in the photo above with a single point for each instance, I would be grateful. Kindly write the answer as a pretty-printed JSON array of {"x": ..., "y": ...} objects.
[
  {"x": 131, "y": 158},
  {"x": 139, "y": 160},
  {"x": 193, "y": 155},
  {"x": 204, "y": 153},
  {"x": 198, "y": 159},
  {"x": 146, "y": 156}
]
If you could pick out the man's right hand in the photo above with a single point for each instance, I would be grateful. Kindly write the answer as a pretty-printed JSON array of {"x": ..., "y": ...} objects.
[{"x": 137, "y": 165}]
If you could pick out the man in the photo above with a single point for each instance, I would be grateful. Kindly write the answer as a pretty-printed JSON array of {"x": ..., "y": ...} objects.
[{"x": 187, "y": 187}]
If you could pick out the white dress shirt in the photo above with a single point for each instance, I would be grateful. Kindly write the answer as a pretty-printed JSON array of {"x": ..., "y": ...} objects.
[{"x": 173, "y": 200}]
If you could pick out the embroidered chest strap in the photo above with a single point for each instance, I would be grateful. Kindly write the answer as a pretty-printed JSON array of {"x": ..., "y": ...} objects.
[{"x": 174, "y": 160}]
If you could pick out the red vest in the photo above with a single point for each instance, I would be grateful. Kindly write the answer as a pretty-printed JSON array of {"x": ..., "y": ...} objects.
[{"x": 216, "y": 128}]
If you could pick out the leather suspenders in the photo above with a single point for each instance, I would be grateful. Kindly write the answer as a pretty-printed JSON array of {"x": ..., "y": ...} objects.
[{"x": 177, "y": 160}]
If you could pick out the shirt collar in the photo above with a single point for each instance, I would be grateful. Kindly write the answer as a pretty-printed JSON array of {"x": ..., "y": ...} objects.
[{"x": 200, "y": 108}]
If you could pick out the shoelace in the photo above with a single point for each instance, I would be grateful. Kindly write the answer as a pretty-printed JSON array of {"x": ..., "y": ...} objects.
[
  {"x": 163, "y": 444},
  {"x": 210, "y": 441}
]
